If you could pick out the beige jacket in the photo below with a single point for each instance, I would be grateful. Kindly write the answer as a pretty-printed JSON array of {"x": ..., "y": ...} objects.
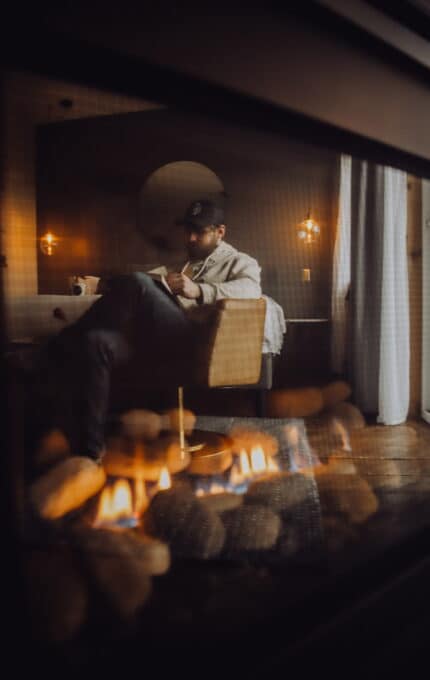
[{"x": 225, "y": 273}]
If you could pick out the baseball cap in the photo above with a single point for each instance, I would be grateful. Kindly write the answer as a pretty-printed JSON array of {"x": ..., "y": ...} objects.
[{"x": 201, "y": 214}]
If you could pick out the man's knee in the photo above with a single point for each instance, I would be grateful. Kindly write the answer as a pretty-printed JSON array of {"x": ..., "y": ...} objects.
[
  {"x": 106, "y": 346},
  {"x": 141, "y": 280},
  {"x": 129, "y": 283}
]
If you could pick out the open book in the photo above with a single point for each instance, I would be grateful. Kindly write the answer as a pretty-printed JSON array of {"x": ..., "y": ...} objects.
[{"x": 159, "y": 274}]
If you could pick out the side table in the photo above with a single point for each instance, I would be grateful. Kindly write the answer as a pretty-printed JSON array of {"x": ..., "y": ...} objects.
[{"x": 305, "y": 359}]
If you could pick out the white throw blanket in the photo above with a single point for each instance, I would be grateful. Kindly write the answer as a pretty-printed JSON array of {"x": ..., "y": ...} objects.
[{"x": 274, "y": 327}]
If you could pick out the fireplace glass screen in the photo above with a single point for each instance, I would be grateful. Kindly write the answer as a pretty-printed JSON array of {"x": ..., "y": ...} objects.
[{"x": 220, "y": 400}]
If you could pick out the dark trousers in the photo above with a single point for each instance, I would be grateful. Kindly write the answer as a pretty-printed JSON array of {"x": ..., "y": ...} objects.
[{"x": 136, "y": 323}]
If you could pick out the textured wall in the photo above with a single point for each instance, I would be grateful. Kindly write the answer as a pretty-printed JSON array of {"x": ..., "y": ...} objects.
[
  {"x": 90, "y": 174},
  {"x": 26, "y": 102}
]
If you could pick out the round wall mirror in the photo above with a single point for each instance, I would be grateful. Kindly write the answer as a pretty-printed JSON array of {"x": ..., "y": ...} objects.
[{"x": 165, "y": 196}]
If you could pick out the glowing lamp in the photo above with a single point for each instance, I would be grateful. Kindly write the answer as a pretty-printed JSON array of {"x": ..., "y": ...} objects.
[
  {"x": 48, "y": 243},
  {"x": 308, "y": 230}
]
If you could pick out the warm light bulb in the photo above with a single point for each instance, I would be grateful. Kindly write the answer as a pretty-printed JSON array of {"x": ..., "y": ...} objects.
[
  {"x": 48, "y": 243},
  {"x": 308, "y": 230}
]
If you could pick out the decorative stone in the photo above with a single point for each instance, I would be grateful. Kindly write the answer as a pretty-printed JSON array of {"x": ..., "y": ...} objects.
[
  {"x": 349, "y": 495},
  {"x": 170, "y": 420},
  {"x": 334, "y": 393},
  {"x": 66, "y": 487},
  {"x": 141, "y": 424},
  {"x": 281, "y": 491},
  {"x": 340, "y": 466},
  {"x": 349, "y": 415},
  {"x": 320, "y": 436},
  {"x": 251, "y": 527},
  {"x": 177, "y": 517},
  {"x": 220, "y": 502},
  {"x": 294, "y": 403},
  {"x": 146, "y": 460},
  {"x": 122, "y": 580},
  {"x": 152, "y": 555}
]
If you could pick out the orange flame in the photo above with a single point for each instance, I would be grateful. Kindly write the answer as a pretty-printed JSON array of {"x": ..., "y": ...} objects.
[
  {"x": 115, "y": 503},
  {"x": 253, "y": 464},
  {"x": 140, "y": 498}
]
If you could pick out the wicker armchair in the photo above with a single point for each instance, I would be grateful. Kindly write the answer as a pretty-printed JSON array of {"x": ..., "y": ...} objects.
[{"x": 228, "y": 351}]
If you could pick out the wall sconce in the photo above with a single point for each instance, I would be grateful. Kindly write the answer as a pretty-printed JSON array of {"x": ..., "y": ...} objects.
[
  {"x": 308, "y": 230},
  {"x": 48, "y": 243}
]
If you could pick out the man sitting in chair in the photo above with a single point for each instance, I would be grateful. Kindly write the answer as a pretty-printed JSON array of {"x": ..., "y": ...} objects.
[{"x": 140, "y": 316}]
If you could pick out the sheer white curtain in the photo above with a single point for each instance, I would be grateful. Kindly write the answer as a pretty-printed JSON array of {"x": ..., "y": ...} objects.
[
  {"x": 341, "y": 269},
  {"x": 370, "y": 256},
  {"x": 395, "y": 348}
]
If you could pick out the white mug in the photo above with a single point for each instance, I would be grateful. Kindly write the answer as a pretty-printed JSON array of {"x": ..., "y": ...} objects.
[
  {"x": 77, "y": 285},
  {"x": 83, "y": 285},
  {"x": 91, "y": 283}
]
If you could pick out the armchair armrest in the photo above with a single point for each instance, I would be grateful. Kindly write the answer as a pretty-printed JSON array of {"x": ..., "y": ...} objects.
[{"x": 233, "y": 351}]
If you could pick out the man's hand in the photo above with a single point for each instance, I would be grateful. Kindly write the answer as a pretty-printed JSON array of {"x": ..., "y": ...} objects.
[{"x": 182, "y": 285}]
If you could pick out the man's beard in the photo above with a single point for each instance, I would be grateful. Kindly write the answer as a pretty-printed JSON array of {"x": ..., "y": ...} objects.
[{"x": 197, "y": 252}]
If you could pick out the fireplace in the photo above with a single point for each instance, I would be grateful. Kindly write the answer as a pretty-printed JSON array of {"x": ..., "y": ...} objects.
[
  {"x": 212, "y": 539},
  {"x": 213, "y": 547}
]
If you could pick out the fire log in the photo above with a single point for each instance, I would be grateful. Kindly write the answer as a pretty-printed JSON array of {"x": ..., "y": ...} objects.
[
  {"x": 251, "y": 527},
  {"x": 66, "y": 487},
  {"x": 179, "y": 518}
]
